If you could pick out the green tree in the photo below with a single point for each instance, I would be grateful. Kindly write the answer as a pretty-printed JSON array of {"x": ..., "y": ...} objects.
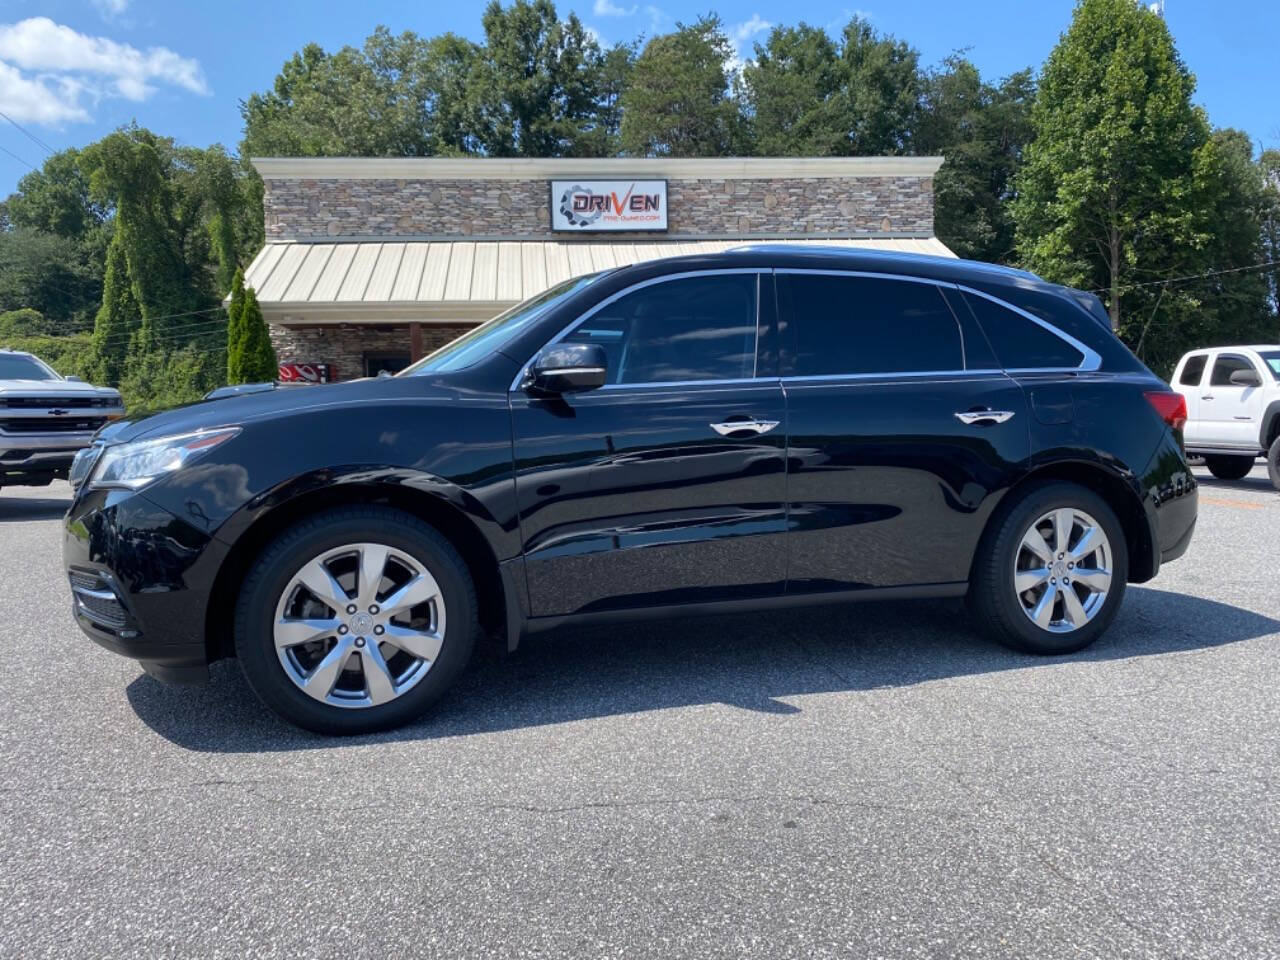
[
  {"x": 981, "y": 129},
  {"x": 236, "y": 330},
  {"x": 258, "y": 357},
  {"x": 879, "y": 90},
  {"x": 678, "y": 103},
  {"x": 1117, "y": 188},
  {"x": 791, "y": 93},
  {"x": 397, "y": 96},
  {"x": 536, "y": 91},
  {"x": 118, "y": 318}
]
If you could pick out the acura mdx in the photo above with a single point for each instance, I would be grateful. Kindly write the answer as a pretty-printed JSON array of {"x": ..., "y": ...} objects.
[{"x": 767, "y": 427}]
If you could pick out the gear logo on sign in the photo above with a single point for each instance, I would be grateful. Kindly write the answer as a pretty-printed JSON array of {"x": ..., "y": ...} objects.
[{"x": 579, "y": 218}]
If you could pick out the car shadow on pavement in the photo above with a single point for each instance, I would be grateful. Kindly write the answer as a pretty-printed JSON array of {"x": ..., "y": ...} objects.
[
  {"x": 749, "y": 661},
  {"x": 18, "y": 509}
]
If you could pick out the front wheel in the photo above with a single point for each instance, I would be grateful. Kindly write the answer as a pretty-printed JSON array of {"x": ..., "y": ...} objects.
[
  {"x": 1273, "y": 463},
  {"x": 1051, "y": 572},
  {"x": 1226, "y": 467},
  {"x": 355, "y": 620}
]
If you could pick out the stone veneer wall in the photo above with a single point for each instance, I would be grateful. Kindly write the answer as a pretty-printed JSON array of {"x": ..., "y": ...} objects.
[
  {"x": 344, "y": 345},
  {"x": 313, "y": 209}
]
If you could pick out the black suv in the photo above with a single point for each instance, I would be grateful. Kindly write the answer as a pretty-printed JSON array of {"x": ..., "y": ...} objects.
[{"x": 766, "y": 427}]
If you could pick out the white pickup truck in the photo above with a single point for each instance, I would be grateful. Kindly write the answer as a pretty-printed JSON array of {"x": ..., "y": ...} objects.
[
  {"x": 1233, "y": 408},
  {"x": 45, "y": 418}
]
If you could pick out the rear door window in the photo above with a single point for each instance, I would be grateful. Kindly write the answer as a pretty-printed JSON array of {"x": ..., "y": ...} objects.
[
  {"x": 1019, "y": 342},
  {"x": 840, "y": 325},
  {"x": 1193, "y": 371}
]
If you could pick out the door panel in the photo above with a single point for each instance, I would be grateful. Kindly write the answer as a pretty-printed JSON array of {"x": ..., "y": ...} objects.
[
  {"x": 887, "y": 487},
  {"x": 1230, "y": 414},
  {"x": 629, "y": 497}
]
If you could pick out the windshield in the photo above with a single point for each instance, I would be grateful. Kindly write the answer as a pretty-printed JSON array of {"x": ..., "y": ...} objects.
[
  {"x": 24, "y": 368},
  {"x": 1272, "y": 359},
  {"x": 496, "y": 333}
]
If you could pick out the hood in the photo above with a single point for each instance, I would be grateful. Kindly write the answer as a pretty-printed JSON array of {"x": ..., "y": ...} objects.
[
  {"x": 54, "y": 388},
  {"x": 272, "y": 404}
]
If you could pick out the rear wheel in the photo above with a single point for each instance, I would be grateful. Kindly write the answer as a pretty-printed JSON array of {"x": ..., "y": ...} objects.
[
  {"x": 1226, "y": 467},
  {"x": 1051, "y": 572},
  {"x": 1273, "y": 463},
  {"x": 355, "y": 620}
]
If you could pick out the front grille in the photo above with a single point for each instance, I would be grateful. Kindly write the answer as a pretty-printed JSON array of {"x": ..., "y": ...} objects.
[
  {"x": 51, "y": 424},
  {"x": 53, "y": 403},
  {"x": 96, "y": 600}
]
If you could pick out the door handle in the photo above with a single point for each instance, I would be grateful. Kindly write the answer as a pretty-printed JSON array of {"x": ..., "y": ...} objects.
[
  {"x": 737, "y": 426},
  {"x": 974, "y": 417},
  {"x": 1209, "y": 397}
]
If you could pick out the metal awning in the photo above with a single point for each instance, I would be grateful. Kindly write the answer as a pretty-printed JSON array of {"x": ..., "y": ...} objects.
[{"x": 450, "y": 281}]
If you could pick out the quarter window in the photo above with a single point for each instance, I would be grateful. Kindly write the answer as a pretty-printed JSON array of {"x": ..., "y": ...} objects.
[
  {"x": 694, "y": 328},
  {"x": 1020, "y": 343},
  {"x": 1225, "y": 366},
  {"x": 866, "y": 325},
  {"x": 1193, "y": 371}
]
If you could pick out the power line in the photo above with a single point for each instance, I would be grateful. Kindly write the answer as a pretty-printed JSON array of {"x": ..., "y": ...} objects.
[
  {"x": 1192, "y": 276},
  {"x": 31, "y": 136},
  {"x": 18, "y": 158}
]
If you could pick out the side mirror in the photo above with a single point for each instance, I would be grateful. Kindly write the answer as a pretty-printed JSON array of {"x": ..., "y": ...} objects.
[
  {"x": 568, "y": 368},
  {"x": 1246, "y": 378}
]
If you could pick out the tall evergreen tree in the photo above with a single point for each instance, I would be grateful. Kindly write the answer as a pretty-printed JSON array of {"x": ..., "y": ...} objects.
[
  {"x": 118, "y": 318},
  {"x": 236, "y": 330},
  {"x": 258, "y": 358},
  {"x": 1122, "y": 183}
]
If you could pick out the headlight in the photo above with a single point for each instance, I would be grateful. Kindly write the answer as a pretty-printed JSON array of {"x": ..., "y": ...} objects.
[{"x": 132, "y": 466}]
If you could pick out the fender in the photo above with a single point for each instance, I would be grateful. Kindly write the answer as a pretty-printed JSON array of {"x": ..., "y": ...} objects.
[{"x": 1270, "y": 425}]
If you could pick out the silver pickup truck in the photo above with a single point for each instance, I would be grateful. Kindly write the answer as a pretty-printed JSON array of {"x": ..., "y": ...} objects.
[{"x": 45, "y": 418}]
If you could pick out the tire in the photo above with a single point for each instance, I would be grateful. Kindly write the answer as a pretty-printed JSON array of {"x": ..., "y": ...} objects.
[
  {"x": 407, "y": 685},
  {"x": 1273, "y": 463},
  {"x": 1226, "y": 467},
  {"x": 1005, "y": 614}
]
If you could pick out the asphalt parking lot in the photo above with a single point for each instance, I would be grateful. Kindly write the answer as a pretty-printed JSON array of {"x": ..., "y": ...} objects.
[{"x": 870, "y": 781}]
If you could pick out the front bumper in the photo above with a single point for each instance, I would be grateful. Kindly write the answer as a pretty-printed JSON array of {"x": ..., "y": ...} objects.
[
  {"x": 140, "y": 581},
  {"x": 41, "y": 456}
]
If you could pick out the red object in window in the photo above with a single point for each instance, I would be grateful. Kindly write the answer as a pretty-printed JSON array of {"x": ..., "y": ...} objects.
[
  {"x": 308, "y": 372},
  {"x": 1171, "y": 406}
]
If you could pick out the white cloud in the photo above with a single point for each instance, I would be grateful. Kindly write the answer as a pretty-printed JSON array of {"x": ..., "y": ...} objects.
[
  {"x": 657, "y": 17},
  {"x": 111, "y": 8},
  {"x": 607, "y": 8},
  {"x": 47, "y": 101},
  {"x": 745, "y": 31},
  {"x": 49, "y": 69},
  {"x": 741, "y": 35}
]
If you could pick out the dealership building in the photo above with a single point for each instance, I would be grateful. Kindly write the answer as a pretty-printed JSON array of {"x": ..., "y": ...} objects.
[{"x": 371, "y": 263}]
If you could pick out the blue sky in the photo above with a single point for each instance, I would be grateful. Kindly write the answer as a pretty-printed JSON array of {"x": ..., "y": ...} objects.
[{"x": 72, "y": 70}]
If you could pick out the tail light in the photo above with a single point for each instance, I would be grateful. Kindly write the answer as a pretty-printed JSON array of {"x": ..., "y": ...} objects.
[{"x": 1172, "y": 407}]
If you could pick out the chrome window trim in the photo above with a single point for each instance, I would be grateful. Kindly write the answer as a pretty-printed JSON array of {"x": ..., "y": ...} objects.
[
  {"x": 1091, "y": 360},
  {"x": 898, "y": 374},
  {"x": 665, "y": 278}
]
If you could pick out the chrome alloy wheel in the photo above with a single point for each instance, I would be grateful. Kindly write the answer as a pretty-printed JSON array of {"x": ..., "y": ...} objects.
[
  {"x": 359, "y": 625},
  {"x": 1062, "y": 572}
]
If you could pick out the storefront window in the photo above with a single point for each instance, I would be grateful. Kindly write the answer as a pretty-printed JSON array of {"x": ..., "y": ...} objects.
[{"x": 376, "y": 363}]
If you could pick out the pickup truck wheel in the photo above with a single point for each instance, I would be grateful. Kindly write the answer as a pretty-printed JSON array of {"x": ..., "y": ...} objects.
[
  {"x": 1273, "y": 463},
  {"x": 1229, "y": 468}
]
